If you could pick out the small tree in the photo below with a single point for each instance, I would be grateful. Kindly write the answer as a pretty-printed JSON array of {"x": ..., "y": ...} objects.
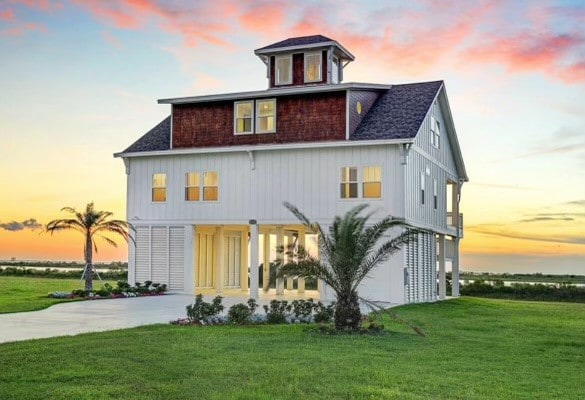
[
  {"x": 349, "y": 252},
  {"x": 91, "y": 224}
]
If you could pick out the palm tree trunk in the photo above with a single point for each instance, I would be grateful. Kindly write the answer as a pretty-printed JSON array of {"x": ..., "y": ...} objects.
[
  {"x": 88, "y": 264},
  {"x": 347, "y": 312}
]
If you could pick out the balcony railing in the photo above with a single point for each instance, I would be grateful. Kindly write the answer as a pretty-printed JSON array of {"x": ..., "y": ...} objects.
[{"x": 451, "y": 223}]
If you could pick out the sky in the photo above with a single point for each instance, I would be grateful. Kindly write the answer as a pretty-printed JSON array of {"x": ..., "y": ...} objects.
[{"x": 79, "y": 81}]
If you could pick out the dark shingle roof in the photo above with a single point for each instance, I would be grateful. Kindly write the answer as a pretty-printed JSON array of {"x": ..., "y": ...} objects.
[
  {"x": 398, "y": 113},
  {"x": 156, "y": 139},
  {"x": 297, "y": 41}
]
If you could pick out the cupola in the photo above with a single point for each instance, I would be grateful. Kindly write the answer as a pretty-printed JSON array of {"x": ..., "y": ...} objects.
[{"x": 303, "y": 61}]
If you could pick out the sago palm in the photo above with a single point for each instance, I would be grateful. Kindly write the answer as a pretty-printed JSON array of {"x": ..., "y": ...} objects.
[
  {"x": 347, "y": 254},
  {"x": 92, "y": 224}
]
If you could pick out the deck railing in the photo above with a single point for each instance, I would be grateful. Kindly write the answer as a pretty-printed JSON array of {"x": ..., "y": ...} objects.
[{"x": 451, "y": 222}]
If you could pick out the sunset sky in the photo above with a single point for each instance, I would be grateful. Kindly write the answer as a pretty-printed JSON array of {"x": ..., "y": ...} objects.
[{"x": 79, "y": 81}]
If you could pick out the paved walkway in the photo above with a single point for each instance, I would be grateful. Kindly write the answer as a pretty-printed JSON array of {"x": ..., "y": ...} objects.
[{"x": 73, "y": 318}]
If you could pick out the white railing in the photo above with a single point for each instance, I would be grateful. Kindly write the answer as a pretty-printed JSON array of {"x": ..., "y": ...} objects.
[{"x": 451, "y": 222}]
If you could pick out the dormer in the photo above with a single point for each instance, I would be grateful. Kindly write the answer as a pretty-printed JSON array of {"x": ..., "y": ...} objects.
[{"x": 303, "y": 61}]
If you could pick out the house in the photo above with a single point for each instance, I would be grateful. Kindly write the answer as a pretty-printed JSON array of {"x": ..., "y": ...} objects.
[{"x": 206, "y": 185}]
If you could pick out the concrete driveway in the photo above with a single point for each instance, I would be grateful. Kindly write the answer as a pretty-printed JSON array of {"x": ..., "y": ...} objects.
[{"x": 72, "y": 318}]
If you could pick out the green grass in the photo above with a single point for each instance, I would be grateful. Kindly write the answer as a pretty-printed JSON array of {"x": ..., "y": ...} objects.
[
  {"x": 19, "y": 294},
  {"x": 473, "y": 349}
]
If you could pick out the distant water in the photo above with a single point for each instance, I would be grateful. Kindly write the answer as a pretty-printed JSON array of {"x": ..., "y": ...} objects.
[{"x": 61, "y": 269}]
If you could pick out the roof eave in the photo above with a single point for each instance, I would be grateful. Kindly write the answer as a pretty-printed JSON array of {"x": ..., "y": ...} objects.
[{"x": 265, "y": 51}]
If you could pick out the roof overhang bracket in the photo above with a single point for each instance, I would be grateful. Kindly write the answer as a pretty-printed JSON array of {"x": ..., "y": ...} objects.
[
  {"x": 405, "y": 149},
  {"x": 127, "y": 165},
  {"x": 251, "y": 158}
]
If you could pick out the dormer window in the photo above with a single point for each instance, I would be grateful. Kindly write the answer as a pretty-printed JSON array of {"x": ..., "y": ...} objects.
[
  {"x": 265, "y": 116},
  {"x": 283, "y": 70},
  {"x": 313, "y": 63},
  {"x": 244, "y": 122}
]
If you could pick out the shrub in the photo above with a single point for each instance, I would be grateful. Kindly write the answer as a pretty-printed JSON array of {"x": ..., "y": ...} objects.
[
  {"x": 201, "y": 310},
  {"x": 323, "y": 313},
  {"x": 277, "y": 312},
  {"x": 239, "y": 314}
]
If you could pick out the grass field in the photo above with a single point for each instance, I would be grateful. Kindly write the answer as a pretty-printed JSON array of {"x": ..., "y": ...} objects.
[
  {"x": 28, "y": 294},
  {"x": 473, "y": 349}
]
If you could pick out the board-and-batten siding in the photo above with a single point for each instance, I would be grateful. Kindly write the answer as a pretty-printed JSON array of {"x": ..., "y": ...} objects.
[
  {"x": 420, "y": 261},
  {"x": 160, "y": 255},
  {"x": 308, "y": 178}
]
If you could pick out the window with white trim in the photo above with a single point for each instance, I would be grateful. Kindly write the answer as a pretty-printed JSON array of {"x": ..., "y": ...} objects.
[
  {"x": 159, "y": 187},
  {"x": 266, "y": 116},
  {"x": 210, "y": 186},
  {"x": 422, "y": 189},
  {"x": 192, "y": 186},
  {"x": 372, "y": 185},
  {"x": 349, "y": 183},
  {"x": 283, "y": 70},
  {"x": 243, "y": 117},
  {"x": 313, "y": 62},
  {"x": 435, "y": 132}
]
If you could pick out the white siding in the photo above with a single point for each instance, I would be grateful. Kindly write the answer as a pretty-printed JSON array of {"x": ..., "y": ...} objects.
[
  {"x": 176, "y": 258},
  {"x": 160, "y": 253},
  {"x": 420, "y": 259},
  {"x": 142, "y": 268}
]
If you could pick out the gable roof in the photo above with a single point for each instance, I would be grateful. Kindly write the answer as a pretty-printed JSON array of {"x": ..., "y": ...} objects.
[
  {"x": 398, "y": 113},
  {"x": 156, "y": 139},
  {"x": 297, "y": 41}
]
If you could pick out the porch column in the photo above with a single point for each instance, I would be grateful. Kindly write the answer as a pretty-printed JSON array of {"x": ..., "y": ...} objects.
[
  {"x": 244, "y": 261},
  {"x": 266, "y": 262},
  {"x": 219, "y": 258},
  {"x": 289, "y": 279},
  {"x": 254, "y": 258},
  {"x": 455, "y": 269},
  {"x": 301, "y": 281},
  {"x": 279, "y": 245},
  {"x": 189, "y": 267},
  {"x": 442, "y": 280}
]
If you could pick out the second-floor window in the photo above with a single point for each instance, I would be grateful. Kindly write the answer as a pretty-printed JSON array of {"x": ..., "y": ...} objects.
[
  {"x": 265, "y": 116},
  {"x": 159, "y": 187},
  {"x": 192, "y": 183},
  {"x": 210, "y": 186},
  {"x": 435, "y": 194},
  {"x": 422, "y": 189},
  {"x": 244, "y": 112},
  {"x": 283, "y": 70},
  {"x": 371, "y": 182},
  {"x": 349, "y": 184},
  {"x": 435, "y": 133},
  {"x": 372, "y": 186},
  {"x": 313, "y": 67}
]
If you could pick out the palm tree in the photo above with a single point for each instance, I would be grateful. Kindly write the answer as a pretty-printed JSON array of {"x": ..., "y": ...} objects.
[
  {"x": 349, "y": 252},
  {"x": 92, "y": 224}
]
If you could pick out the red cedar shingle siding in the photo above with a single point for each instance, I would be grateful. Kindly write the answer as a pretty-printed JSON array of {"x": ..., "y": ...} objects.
[{"x": 318, "y": 117}]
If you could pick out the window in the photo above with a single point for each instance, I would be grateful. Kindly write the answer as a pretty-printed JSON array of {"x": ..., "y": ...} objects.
[
  {"x": 210, "y": 186},
  {"x": 192, "y": 189},
  {"x": 435, "y": 132},
  {"x": 372, "y": 186},
  {"x": 243, "y": 117},
  {"x": 283, "y": 70},
  {"x": 349, "y": 184},
  {"x": 159, "y": 187},
  {"x": 422, "y": 189},
  {"x": 435, "y": 196},
  {"x": 312, "y": 67},
  {"x": 335, "y": 70},
  {"x": 265, "y": 116}
]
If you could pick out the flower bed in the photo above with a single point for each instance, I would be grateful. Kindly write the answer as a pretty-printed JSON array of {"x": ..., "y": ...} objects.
[{"x": 122, "y": 290}]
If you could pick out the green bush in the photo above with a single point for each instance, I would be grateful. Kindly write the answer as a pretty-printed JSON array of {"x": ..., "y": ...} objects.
[
  {"x": 239, "y": 314},
  {"x": 200, "y": 310},
  {"x": 323, "y": 313},
  {"x": 277, "y": 311},
  {"x": 525, "y": 291}
]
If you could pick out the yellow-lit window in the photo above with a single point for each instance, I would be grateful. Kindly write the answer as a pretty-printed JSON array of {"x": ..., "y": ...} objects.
[
  {"x": 210, "y": 186},
  {"x": 283, "y": 70},
  {"x": 265, "y": 116},
  {"x": 312, "y": 67},
  {"x": 243, "y": 117},
  {"x": 372, "y": 185},
  {"x": 349, "y": 184},
  {"x": 192, "y": 183},
  {"x": 159, "y": 187}
]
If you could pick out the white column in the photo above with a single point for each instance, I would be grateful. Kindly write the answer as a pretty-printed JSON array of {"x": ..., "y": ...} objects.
[
  {"x": 455, "y": 269},
  {"x": 289, "y": 279},
  {"x": 219, "y": 259},
  {"x": 301, "y": 281},
  {"x": 189, "y": 271},
  {"x": 279, "y": 245},
  {"x": 244, "y": 261},
  {"x": 254, "y": 258},
  {"x": 266, "y": 262},
  {"x": 442, "y": 280}
]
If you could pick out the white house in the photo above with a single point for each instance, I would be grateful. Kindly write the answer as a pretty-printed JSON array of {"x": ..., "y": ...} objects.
[{"x": 206, "y": 185}]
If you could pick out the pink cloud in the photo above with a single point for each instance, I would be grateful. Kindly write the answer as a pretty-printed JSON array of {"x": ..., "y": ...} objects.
[
  {"x": 43, "y": 5},
  {"x": 20, "y": 29},
  {"x": 7, "y": 15}
]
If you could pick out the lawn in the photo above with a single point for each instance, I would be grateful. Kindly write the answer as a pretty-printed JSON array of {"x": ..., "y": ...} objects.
[
  {"x": 28, "y": 294},
  {"x": 473, "y": 349}
]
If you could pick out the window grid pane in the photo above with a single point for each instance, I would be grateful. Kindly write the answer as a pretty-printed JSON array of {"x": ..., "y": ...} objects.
[
  {"x": 210, "y": 193},
  {"x": 283, "y": 70},
  {"x": 192, "y": 193},
  {"x": 244, "y": 112},
  {"x": 265, "y": 116},
  {"x": 210, "y": 186},
  {"x": 313, "y": 67},
  {"x": 159, "y": 194}
]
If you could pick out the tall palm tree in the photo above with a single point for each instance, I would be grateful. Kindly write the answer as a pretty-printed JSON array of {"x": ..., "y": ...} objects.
[
  {"x": 92, "y": 224},
  {"x": 348, "y": 253}
]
